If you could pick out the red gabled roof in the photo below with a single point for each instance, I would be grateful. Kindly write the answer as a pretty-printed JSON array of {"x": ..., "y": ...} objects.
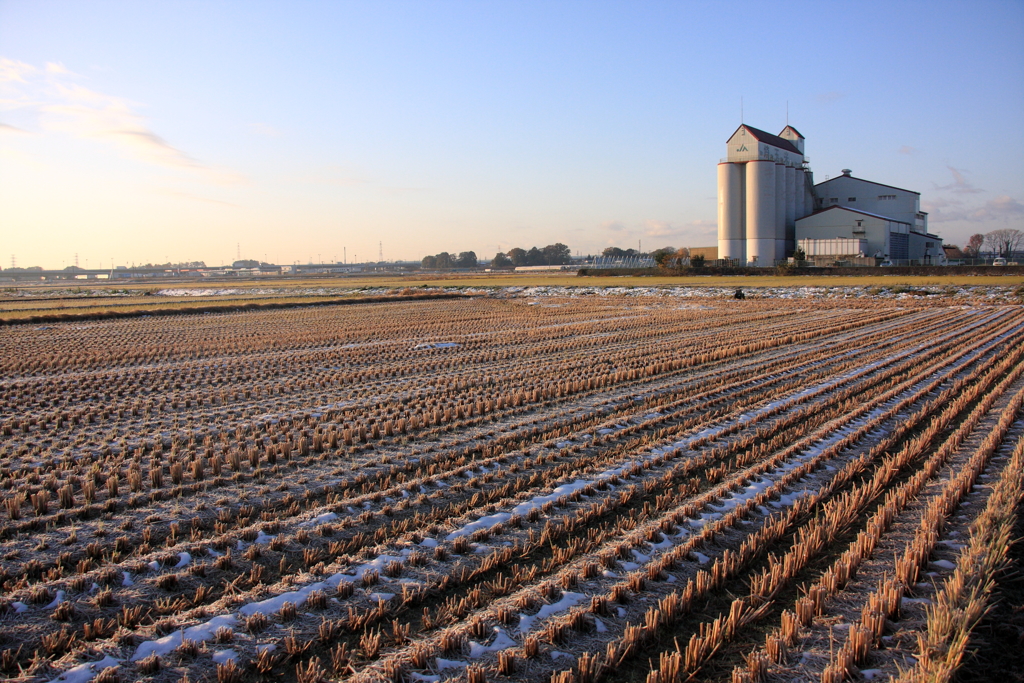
[{"x": 768, "y": 138}]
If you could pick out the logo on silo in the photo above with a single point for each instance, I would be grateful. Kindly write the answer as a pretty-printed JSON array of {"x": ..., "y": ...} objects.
[{"x": 742, "y": 148}]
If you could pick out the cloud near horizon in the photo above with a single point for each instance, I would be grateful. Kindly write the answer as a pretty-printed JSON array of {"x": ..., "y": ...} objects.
[
  {"x": 1002, "y": 207},
  {"x": 66, "y": 107},
  {"x": 960, "y": 185},
  {"x": 687, "y": 234}
]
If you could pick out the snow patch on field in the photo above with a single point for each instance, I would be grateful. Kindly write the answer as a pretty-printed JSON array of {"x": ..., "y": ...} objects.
[
  {"x": 567, "y": 601},
  {"x": 199, "y": 633},
  {"x": 85, "y": 672},
  {"x": 502, "y": 641}
]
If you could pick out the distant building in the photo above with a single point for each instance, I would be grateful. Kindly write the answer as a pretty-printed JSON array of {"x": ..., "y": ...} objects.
[
  {"x": 888, "y": 218},
  {"x": 768, "y": 205},
  {"x": 764, "y": 186},
  {"x": 709, "y": 253}
]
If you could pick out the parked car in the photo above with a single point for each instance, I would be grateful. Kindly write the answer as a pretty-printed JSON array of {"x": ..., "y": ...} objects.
[
  {"x": 999, "y": 261},
  {"x": 885, "y": 264}
]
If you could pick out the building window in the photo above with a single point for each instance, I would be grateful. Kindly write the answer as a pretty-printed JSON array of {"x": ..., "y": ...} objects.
[
  {"x": 833, "y": 200},
  {"x": 852, "y": 199},
  {"x": 886, "y": 196}
]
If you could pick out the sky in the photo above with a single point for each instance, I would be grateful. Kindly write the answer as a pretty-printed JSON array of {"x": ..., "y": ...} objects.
[{"x": 136, "y": 132}]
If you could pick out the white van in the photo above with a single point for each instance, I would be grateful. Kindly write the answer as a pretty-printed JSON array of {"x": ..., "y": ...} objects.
[{"x": 999, "y": 261}]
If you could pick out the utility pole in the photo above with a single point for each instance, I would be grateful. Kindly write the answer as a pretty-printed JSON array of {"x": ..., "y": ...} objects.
[
  {"x": 76, "y": 259},
  {"x": 238, "y": 247},
  {"x": 344, "y": 254},
  {"x": 380, "y": 252}
]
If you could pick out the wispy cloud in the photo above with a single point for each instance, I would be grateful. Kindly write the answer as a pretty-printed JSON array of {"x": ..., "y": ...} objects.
[
  {"x": 830, "y": 97},
  {"x": 908, "y": 150},
  {"x": 1002, "y": 207},
  {"x": 613, "y": 226},
  {"x": 8, "y": 128},
  {"x": 960, "y": 185},
  {"x": 62, "y": 105},
  {"x": 682, "y": 234}
]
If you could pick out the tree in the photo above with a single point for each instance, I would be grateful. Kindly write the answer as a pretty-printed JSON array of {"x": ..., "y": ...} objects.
[
  {"x": 664, "y": 257},
  {"x": 556, "y": 254},
  {"x": 444, "y": 260},
  {"x": 518, "y": 257},
  {"x": 534, "y": 257},
  {"x": 615, "y": 252},
  {"x": 974, "y": 245},
  {"x": 429, "y": 262},
  {"x": 697, "y": 261},
  {"x": 500, "y": 260},
  {"x": 467, "y": 259},
  {"x": 1005, "y": 241}
]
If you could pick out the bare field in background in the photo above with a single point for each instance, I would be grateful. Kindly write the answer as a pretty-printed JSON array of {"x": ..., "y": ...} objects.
[
  {"x": 618, "y": 485},
  {"x": 27, "y": 301}
]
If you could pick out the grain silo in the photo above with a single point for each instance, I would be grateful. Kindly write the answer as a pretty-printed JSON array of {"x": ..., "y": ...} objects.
[{"x": 763, "y": 188}]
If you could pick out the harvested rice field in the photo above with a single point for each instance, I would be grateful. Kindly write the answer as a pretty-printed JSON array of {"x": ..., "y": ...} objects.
[{"x": 519, "y": 485}]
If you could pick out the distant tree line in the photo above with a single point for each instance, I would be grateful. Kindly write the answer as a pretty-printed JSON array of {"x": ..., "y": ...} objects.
[
  {"x": 446, "y": 261},
  {"x": 183, "y": 264},
  {"x": 552, "y": 255},
  {"x": 1003, "y": 242}
]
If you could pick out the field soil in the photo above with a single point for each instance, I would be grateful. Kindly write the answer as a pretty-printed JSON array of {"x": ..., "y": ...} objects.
[{"x": 544, "y": 483}]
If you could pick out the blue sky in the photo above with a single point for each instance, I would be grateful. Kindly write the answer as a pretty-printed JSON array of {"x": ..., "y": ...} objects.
[{"x": 146, "y": 131}]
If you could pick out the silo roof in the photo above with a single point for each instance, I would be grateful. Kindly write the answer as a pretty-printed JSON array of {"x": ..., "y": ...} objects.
[{"x": 769, "y": 139}]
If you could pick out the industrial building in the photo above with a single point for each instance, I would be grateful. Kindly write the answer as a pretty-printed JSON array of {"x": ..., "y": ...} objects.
[{"x": 768, "y": 205}]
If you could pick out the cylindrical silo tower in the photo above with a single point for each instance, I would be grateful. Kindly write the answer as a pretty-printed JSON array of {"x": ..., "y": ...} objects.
[
  {"x": 730, "y": 212},
  {"x": 778, "y": 251},
  {"x": 804, "y": 200},
  {"x": 760, "y": 213},
  {"x": 792, "y": 190}
]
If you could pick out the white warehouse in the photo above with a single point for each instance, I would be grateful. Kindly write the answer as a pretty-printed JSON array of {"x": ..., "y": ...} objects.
[
  {"x": 767, "y": 201},
  {"x": 888, "y": 218}
]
